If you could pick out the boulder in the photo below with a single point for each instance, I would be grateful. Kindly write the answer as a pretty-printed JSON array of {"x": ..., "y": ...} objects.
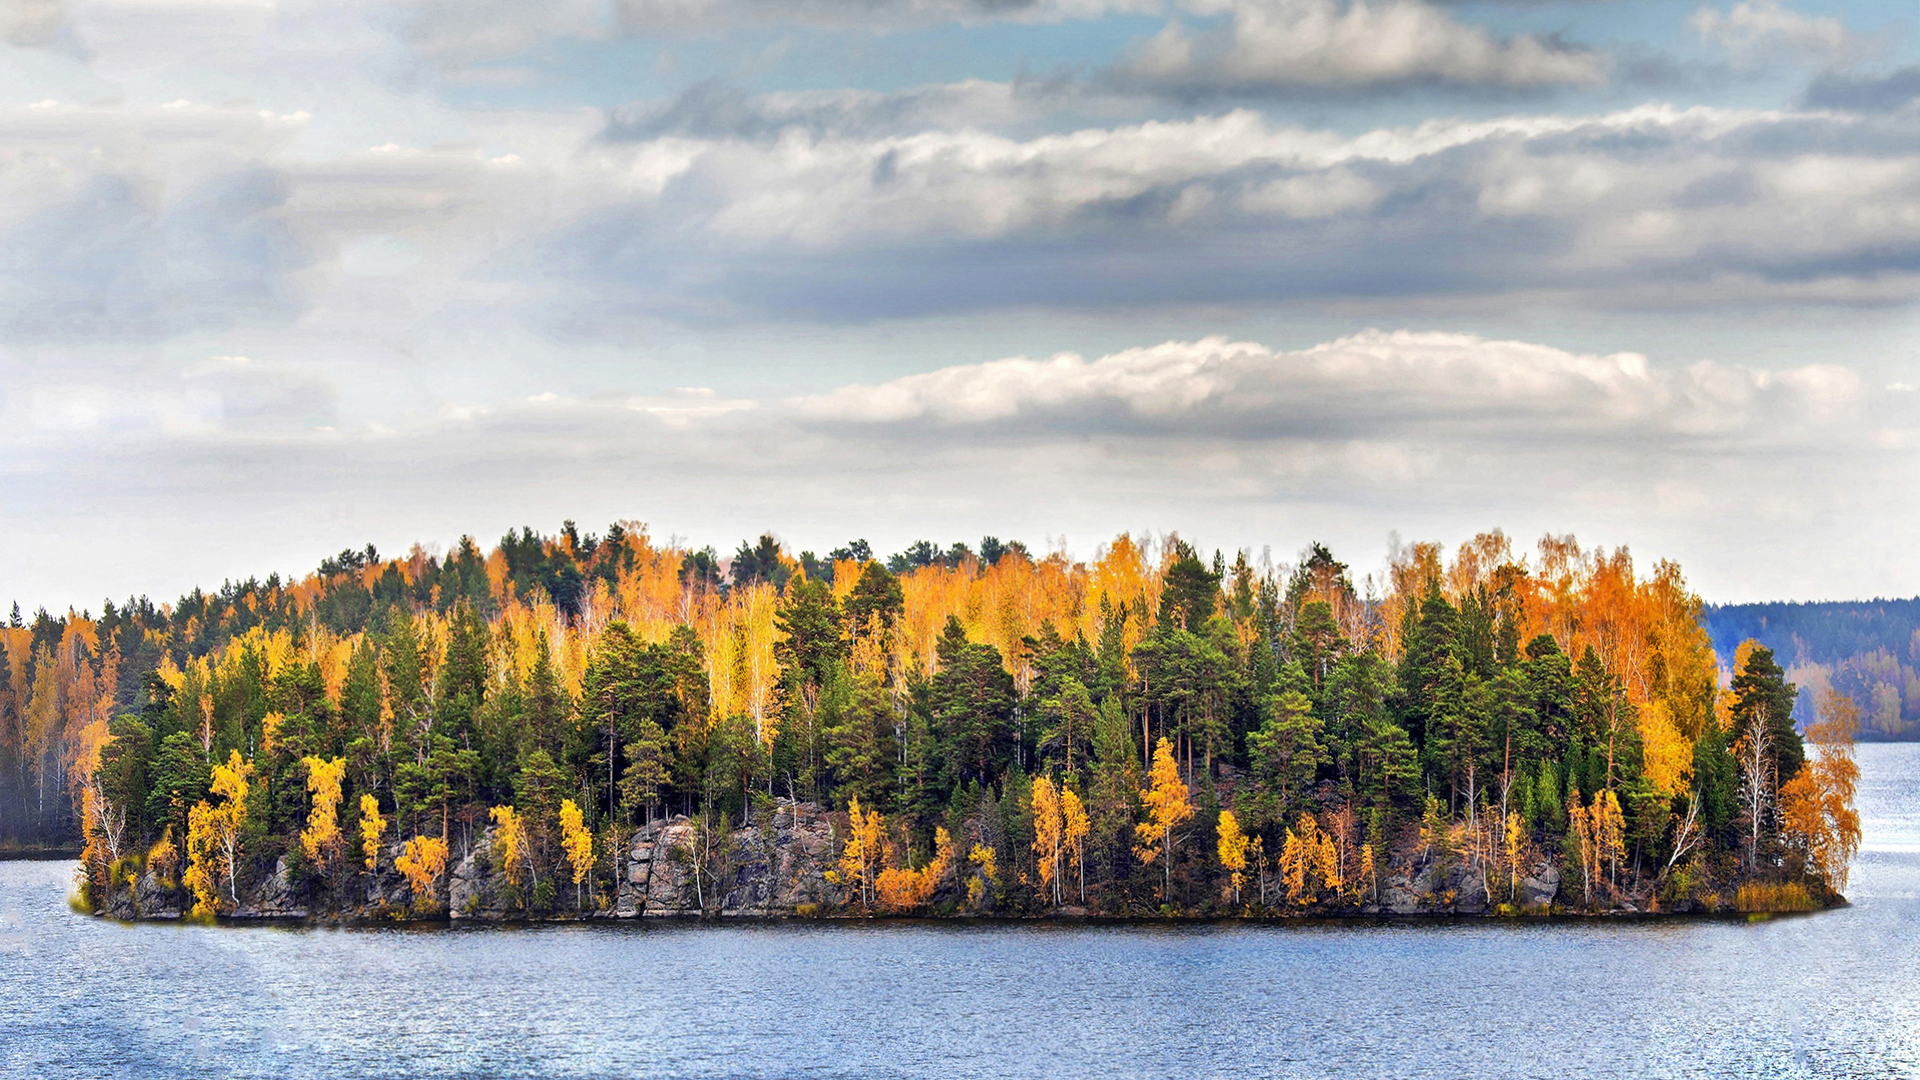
[{"x": 1540, "y": 887}]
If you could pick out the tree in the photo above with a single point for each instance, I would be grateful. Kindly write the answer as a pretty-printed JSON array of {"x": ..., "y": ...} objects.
[
  {"x": 372, "y": 826},
  {"x": 1762, "y": 694},
  {"x": 857, "y": 716},
  {"x": 973, "y": 701},
  {"x": 811, "y": 651},
  {"x": 1317, "y": 642},
  {"x": 1599, "y": 832},
  {"x": 513, "y": 854},
  {"x": 901, "y": 889},
  {"x": 1167, "y": 805},
  {"x": 321, "y": 838},
  {"x": 860, "y": 855},
  {"x": 577, "y": 840},
  {"x": 214, "y": 834},
  {"x": 421, "y": 862},
  {"x": 874, "y": 606},
  {"x": 1309, "y": 862},
  {"x": 1287, "y": 751},
  {"x": 1070, "y": 713},
  {"x": 1073, "y": 834},
  {"x": 1048, "y": 837},
  {"x": 1755, "y": 754},
  {"x": 1189, "y": 593},
  {"x": 1233, "y": 851},
  {"x": 181, "y": 778},
  {"x": 1816, "y": 806}
]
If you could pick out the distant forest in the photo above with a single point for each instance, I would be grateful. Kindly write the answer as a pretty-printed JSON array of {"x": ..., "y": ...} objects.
[{"x": 1866, "y": 649}]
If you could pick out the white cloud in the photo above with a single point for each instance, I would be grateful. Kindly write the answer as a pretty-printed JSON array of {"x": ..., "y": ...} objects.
[
  {"x": 1369, "y": 385},
  {"x": 1755, "y": 31},
  {"x": 1277, "y": 44},
  {"x": 1235, "y": 442}
]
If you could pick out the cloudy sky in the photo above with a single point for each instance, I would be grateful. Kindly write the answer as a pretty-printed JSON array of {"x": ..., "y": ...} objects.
[{"x": 277, "y": 278}]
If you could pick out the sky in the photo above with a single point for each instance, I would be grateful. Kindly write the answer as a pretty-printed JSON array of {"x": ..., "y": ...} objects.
[{"x": 282, "y": 278}]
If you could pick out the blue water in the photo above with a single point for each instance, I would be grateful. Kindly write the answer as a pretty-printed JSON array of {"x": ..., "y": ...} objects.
[{"x": 1834, "y": 994}]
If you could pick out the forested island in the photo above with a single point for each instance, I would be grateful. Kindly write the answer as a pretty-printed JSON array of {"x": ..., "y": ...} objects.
[{"x": 579, "y": 726}]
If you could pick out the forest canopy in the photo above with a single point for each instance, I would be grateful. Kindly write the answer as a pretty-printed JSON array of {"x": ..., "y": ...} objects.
[{"x": 1170, "y": 731}]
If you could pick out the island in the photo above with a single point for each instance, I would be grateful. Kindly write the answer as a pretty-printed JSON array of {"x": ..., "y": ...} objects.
[{"x": 576, "y": 727}]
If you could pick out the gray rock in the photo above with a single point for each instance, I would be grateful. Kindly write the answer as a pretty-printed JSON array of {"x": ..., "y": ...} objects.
[
  {"x": 1540, "y": 887},
  {"x": 770, "y": 867},
  {"x": 273, "y": 898}
]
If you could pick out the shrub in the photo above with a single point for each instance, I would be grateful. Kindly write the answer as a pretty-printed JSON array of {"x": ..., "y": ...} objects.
[{"x": 1761, "y": 897}]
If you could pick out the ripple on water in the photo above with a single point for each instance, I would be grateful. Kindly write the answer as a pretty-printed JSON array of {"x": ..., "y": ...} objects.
[{"x": 1835, "y": 994}]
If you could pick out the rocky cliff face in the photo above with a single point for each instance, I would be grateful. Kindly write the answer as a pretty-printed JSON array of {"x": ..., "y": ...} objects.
[{"x": 776, "y": 865}]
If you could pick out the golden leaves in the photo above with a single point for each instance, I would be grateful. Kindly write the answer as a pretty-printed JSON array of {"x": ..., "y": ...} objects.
[
  {"x": 1816, "y": 806},
  {"x": 321, "y": 838},
  {"x": 510, "y": 842},
  {"x": 576, "y": 839},
  {"x": 422, "y": 862},
  {"x": 372, "y": 825},
  {"x": 213, "y": 836},
  {"x": 1232, "y": 847},
  {"x": 903, "y": 889},
  {"x": 1166, "y": 802},
  {"x": 860, "y": 855}
]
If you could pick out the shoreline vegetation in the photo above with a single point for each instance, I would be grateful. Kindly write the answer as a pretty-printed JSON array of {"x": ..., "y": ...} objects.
[{"x": 574, "y": 726}]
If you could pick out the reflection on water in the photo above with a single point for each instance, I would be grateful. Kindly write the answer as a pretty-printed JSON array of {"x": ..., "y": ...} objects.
[{"x": 1835, "y": 994}]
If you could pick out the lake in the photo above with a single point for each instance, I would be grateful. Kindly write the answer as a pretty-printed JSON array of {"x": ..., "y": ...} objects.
[{"x": 1832, "y": 994}]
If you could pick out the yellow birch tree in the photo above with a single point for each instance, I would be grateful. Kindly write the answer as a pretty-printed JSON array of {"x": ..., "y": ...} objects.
[
  {"x": 421, "y": 862},
  {"x": 577, "y": 839},
  {"x": 1167, "y": 805},
  {"x": 1073, "y": 832},
  {"x": 1233, "y": 851},
  {"x": 372, "y": 826},
  {"x": 321, "y": 837}
]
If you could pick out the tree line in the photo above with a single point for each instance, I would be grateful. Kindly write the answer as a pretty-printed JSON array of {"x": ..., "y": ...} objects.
[
  {"x": 1865, "y": 650},
  {"x": 1150, "y": 730}
]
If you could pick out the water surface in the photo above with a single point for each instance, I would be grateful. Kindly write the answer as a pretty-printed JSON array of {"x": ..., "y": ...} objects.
[{"x": 1833, "y": 994}]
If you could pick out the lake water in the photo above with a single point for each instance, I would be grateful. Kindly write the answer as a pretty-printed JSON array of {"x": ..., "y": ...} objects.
[{"x": 1833, "y": 994}]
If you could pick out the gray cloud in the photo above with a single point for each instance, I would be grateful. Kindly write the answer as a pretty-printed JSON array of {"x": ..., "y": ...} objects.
[
  {"x": 127, "y": 225},
  {"x": 716, "y": 109},
  {"x": 833, "y": 224},
  {"x": 1891, "y": 92}
]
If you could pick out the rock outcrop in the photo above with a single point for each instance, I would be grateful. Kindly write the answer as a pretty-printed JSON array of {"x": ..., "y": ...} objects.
[{"x": 774, "y": 866}]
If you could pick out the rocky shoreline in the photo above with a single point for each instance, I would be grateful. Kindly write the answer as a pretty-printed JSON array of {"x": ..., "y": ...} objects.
[{"x": 781, "y": 868}]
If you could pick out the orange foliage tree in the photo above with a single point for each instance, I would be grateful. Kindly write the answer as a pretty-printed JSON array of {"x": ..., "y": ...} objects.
[{"x": 1817, "y": 814}]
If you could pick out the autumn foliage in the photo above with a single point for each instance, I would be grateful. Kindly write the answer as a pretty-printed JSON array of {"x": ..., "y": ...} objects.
[{"x": 1005, "y": 729}]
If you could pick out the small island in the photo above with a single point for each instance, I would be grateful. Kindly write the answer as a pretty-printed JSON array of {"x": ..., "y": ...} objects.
[{"x": 604, "y": 727}]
